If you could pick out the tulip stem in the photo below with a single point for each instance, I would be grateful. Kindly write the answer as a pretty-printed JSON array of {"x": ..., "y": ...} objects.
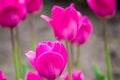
[
  {"x": 78, "y": 57},
  {"x": 14, "y": 53},
  {"x": 69, "y": 61},
  {"x": 72, "y": 56},
  {"x": 19, "y": 52},
  {"x": 107, "y": 54},
  {"x": 32, "y": 33}
]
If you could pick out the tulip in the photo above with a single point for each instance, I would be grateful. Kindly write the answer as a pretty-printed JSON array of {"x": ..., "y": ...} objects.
[
  {"x": 2, "y": 77},
  {"x": 103, "y": 8},
  {"x": 64, "y": 22},
  {"x": 49, "y": 59},
  {"x": 34, "y": 5},
  {"x": 76, "y": 75},
  {"x": 84, "y": 31},
  {"x": 12, "y": 12},
  {"x": 33, "y": 76}
]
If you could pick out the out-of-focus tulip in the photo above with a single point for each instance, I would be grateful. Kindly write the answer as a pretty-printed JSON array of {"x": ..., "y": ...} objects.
[
  {"x": 2, "y": 77},
  {"x": 76, "y": 75},
  {"x": 84, "y": 31},
  {"x": 103, "y": 8},
  {"x": 49, "y": 59},
  {"x": 64, "y": 22},
  {"x": 12, "y": 12},
  {"x": 33, "y": 76},
  {"x": 34, "y": 5}
]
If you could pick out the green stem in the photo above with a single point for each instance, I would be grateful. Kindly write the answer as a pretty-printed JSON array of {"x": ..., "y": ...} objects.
[
  {"x": 32, "y": 33},
  {"x": 69, "y": 61},
  {"x": 19, "y": 52},
  {"x": 72, "y": 55},
  {"x": 107, "y": 55},
  {"x": 14, "y": 54},
  {"x": 78, "y": 57}
]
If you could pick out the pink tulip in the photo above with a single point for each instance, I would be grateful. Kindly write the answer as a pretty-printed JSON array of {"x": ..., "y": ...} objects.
[
  {"x": 33, "y": 76},
  {"x": 49, "y": 59},
  {"x": 103, "y": 8},
  {"x": 76, "y": 75},
  {"x": 2, "y": 77},
  {"x": 12, "y": 12},
  {"x": 34, "y": 5},
  {"x": 64, "y": 22},
  {"x": 84, "y": 31}
]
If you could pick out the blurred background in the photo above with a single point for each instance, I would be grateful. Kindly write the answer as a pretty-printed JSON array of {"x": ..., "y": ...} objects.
[{"x": 91, "y": 52}]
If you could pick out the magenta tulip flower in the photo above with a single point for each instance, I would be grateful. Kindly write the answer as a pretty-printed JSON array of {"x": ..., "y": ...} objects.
[
  {"x": 33, "y": 76},
  {"x": 12, "y": 12},
  {"x": 84, "y": 31},
  {"x": 76, "y": 75},
  {"x": 103, "y": 8},
  {"x": 2, "y": 77},
  {"x": 49, "y": 59},
  {"x": 34, "y": 5},
  {"x": 64, "y": 22}
]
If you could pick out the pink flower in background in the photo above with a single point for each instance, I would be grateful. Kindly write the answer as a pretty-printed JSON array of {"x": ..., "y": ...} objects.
[
  {"x": 76, "y": 75},
  {"x": 84, "y": 31},
  {"x": 49, "y": 59},
  {"x": 103, "y": 8},
  {"x": 2, "y": 77},
  {"x": 34, "y": 5},
  {"x": 64, "y": 22},
  {"x": 12, "y": 12},
  {"x": 33, "y": 76}
]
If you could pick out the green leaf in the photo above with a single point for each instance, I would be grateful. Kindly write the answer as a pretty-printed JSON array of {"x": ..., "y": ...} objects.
[
  {"x": 25, "y": 69},
  {"x": 98, "y": 73}
]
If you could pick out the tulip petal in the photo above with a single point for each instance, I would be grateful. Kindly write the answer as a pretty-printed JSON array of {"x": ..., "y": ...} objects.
[
  {"x": 64, "y": 22},
  {"x": 9, "y": 19},
  {"x": 68, "y": 23},
  {"x": 21, "y": 9},
  {"x": 50, "y": 44},
  {"x": 12, "y": 12},
  {"x": 33, "y": 76},
  {"x": 85, "y": 31},
  {"x": 46, "y": 18},
  {"x": 34, "y": 5},
  {"x": 76, "y": 75},
  {"x": 103, "y": 8},
  {"x": 53, "y": 25},
  {"x": 57, "y": 30},
  {"x": 59, "y": 47},
  {"x": 56, "y": 12},
  {"x": 41, "y": 48},
  {"x": 50, "y": 65},
  {"x": 5, "y": 3},
  {"x": 2, "y": 77},
  {"x": 31, "y": 56}
]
